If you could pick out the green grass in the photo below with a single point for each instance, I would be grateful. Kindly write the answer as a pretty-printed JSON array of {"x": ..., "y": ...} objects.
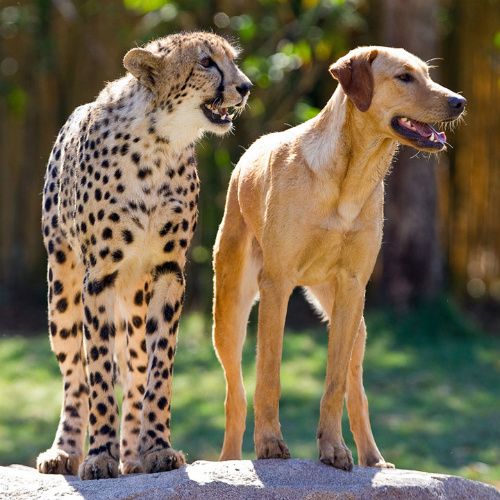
[{"x": 431, "y": 379}]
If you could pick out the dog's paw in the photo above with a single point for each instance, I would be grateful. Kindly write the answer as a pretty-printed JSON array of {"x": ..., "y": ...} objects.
[
  {"x": 382, "y": 464},
  {"x": 57, "y": 461},
  {"x": 271, "y": 447},
  {"x": 374, "y": 459},
  {"x": 131, "y": 467},
  {"x": 336, "y": 455},
  {"x": 101, "y": 466},
  {"x": 162, "y": 460}
]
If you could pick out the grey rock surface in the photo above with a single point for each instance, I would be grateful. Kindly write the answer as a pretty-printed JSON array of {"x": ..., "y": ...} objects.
[{"x": 269, "y": 479}]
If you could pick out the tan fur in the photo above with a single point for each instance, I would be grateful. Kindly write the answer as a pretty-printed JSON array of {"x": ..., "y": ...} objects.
[{"x": 305, "y": 208}]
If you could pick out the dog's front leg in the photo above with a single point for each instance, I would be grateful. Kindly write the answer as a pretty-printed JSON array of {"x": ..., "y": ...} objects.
[
  {"x": 274, "y": 295},
  {"x": 345, "y": 320}
]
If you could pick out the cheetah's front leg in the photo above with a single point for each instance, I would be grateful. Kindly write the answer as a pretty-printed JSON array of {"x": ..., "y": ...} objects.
[
  {"x": 99, "y": 333},
  {"x": 161, "y": 331}
]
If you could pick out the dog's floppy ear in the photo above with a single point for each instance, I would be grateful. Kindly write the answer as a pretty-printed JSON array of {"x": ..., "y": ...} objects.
[
  {"x": 143, "y": 65},
  {"x": 354, "y": 73}
]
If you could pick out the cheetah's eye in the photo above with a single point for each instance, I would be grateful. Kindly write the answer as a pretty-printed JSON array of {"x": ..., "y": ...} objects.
[{"x": 207, "y": 62}]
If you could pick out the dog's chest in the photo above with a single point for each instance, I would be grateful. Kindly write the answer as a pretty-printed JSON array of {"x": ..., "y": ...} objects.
[
  {"x": 327, "y": 244},
  {"x": 317, "y": 255}
]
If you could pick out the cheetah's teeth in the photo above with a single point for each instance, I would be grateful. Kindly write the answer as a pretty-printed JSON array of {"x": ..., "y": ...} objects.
[
  {"x": 213, "y": 109},
  {"x": 225, "y": 114}
]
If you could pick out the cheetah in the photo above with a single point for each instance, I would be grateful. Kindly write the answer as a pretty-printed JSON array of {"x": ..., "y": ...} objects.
[{"x": 119, "y": 211}]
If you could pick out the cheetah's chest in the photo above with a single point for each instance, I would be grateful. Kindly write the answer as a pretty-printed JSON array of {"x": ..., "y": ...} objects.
[{"x": 137, "y": 206}]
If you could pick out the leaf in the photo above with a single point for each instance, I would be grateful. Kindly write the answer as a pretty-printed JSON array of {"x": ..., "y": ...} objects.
[
  {"x": 144, "y": 6},
  {"x": 16, "y": 100}
]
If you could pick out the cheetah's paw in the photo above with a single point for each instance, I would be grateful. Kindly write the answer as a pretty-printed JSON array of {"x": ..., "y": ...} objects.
[
  {"x": 57, "y": 461},
  {"x": 131, "y": 467},
  {"x": 101, "y": 466},
  {"x": 162, "y": 460}
]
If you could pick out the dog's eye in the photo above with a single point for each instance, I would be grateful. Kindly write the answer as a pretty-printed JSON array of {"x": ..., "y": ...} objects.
[
  {"x": 206, "y": 62},
  {"x": 405, "y": 77}
]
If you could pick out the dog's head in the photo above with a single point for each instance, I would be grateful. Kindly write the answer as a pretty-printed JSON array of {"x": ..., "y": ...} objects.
[{"x": 394, "y": 88}]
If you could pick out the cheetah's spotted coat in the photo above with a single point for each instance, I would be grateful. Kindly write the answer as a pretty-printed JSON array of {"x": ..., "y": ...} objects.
[{"x": 119, "y": 211}]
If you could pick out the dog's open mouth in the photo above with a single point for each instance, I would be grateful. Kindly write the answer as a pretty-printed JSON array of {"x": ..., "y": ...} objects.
[
  {"x": 218, "y": 114},
  {"x": 422, "y": 135}
]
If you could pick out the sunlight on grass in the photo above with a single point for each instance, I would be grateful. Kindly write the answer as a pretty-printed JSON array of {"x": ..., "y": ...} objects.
[{"x": 431, "y": 382}]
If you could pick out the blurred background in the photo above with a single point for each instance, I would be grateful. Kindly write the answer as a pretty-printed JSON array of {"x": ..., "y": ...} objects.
[{"x": 434, "y": 301}]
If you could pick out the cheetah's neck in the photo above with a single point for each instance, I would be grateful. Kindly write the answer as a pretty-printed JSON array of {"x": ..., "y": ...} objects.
[{"x": 130, "y": 103}]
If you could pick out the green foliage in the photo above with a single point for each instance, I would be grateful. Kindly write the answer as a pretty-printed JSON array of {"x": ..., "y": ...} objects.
[
  {"x": 431, "y": 379},
  {"x": 16, "y": 100},
  {"x": 144, "y": 6},
  {"x": 496, "y": 40}
]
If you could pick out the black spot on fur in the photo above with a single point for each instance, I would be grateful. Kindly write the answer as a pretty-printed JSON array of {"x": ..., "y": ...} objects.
[
  {"x": 139, "y": 298},
  {"x": 151, "y": 326},
  {"x": 62, "y": 305},
  {"x": 168, "y": 267},
  {"x": 97, "y": 286},
  {"x": 128, "y": 237}
]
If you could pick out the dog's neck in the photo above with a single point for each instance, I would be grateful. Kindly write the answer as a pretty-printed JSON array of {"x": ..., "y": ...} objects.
[{"x": 341, "y": 141}]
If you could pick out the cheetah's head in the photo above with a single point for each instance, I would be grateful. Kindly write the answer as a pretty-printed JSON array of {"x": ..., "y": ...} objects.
[{"x": 196, "y": 73}]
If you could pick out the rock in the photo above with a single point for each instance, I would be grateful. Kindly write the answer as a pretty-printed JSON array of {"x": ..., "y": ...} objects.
[{"x": 268, "y": 479}]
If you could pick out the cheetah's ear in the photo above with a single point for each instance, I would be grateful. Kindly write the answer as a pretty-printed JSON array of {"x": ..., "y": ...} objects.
[{"x": 143, "y": 65}]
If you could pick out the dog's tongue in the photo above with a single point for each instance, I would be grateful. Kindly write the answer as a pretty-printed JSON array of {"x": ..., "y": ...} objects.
[{"x": 427, "y": 130}]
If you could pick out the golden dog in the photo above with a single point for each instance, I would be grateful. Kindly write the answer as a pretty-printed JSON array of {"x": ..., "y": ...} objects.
[{"x": 305, "y": 207}]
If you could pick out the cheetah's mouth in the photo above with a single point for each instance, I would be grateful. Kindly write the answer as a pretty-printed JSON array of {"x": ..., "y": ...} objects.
[{"x": 218, "y": 114}]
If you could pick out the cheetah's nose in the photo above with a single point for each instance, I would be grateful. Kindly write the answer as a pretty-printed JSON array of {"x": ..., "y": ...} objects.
[{"x": 244, "y": 88}]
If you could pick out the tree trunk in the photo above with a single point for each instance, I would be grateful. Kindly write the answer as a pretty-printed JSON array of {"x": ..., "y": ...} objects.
[
  {"x": 474, "y": 229},
  {"x": 411, "y": 251}
]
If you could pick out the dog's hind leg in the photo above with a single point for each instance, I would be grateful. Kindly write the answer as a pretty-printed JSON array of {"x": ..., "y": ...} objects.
[
  {"x": 235, "y": 289},
  {"x": 321, "y": 298},
  {"x": 357, "y": 407}
]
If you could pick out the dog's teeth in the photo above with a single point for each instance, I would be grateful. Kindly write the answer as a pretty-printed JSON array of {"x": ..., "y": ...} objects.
[{"x": 433, "y": 137}]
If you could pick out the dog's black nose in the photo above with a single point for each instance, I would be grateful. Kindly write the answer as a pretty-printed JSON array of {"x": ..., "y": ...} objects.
[
  {"x": 244, "y": 88},
  {"x": 457, "y": 103}
]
